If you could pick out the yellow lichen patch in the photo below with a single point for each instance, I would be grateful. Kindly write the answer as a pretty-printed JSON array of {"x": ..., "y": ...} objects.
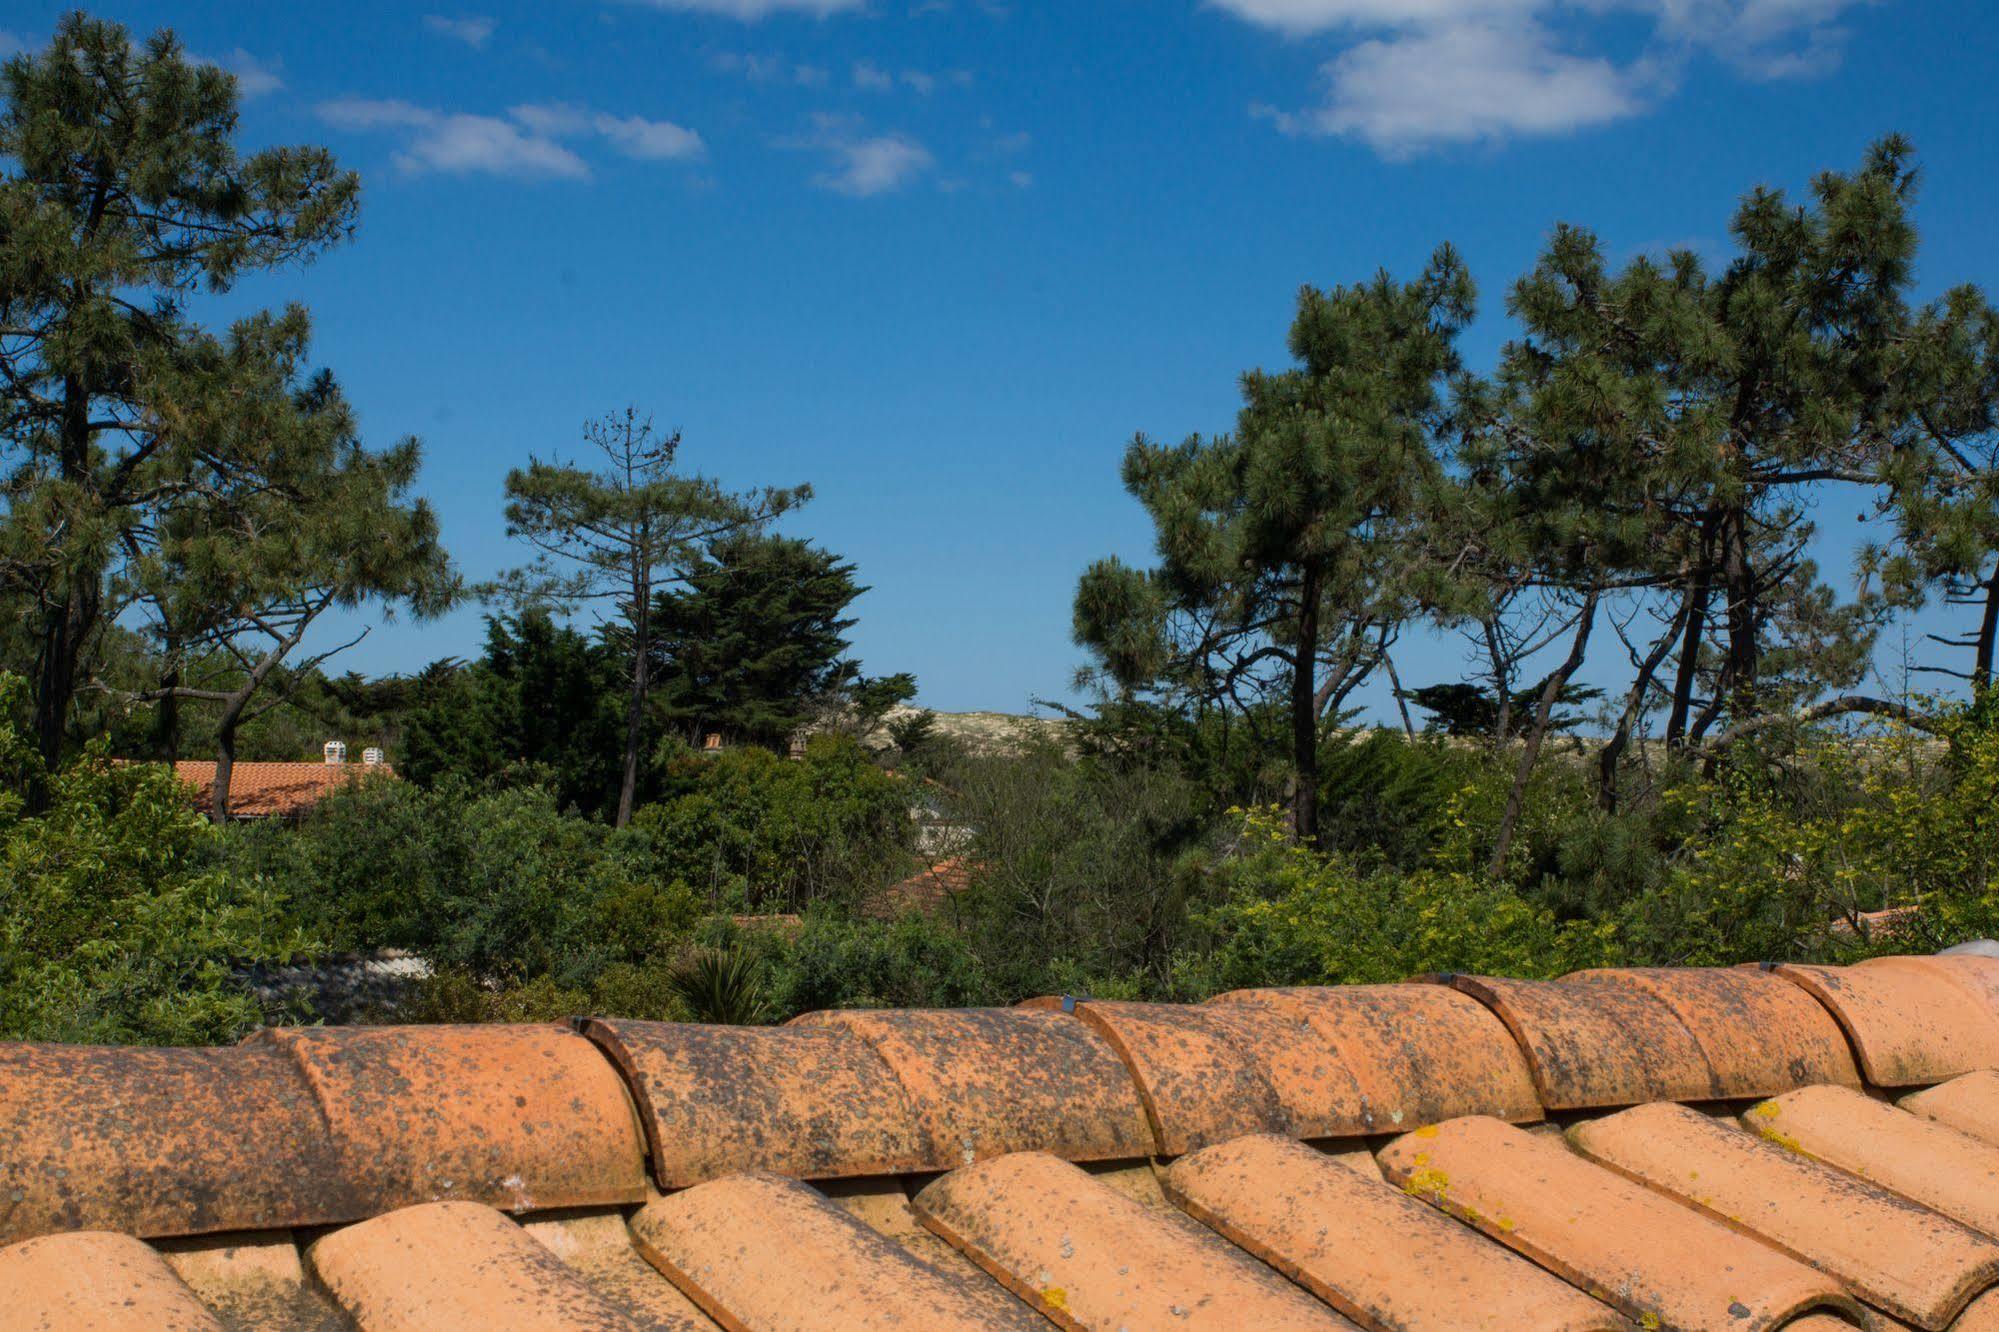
[
  {"x": 1424, "y": 1182},
  {"x": 1427, "y": 1131},
  {"x": 1055, "y": 1297}
]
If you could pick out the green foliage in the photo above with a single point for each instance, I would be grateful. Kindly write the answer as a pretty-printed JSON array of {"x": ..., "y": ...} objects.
[
  {"x": 114, "y": 924},
  {"x": 753, "y": 645},
  {"x": 908, "y": 963},
  {"x": 748, "y": 831},
  {"x": 722, "y": 985}
]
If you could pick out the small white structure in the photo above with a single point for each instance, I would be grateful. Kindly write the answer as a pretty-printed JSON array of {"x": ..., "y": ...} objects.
[
  {"x": 336, "y": 751},
  {"x": 371, "y": 756}
]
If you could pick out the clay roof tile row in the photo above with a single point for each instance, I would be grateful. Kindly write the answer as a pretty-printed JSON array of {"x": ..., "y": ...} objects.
[{"x": 1682, "y": 1148}]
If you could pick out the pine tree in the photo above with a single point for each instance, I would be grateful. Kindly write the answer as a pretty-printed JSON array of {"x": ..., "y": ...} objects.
[
  {"x": 123, "y": 194},
  {"x": 1293, "y": 551}
]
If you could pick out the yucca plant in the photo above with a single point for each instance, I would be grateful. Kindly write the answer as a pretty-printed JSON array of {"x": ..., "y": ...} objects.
[{"x": 722, "y": 985}]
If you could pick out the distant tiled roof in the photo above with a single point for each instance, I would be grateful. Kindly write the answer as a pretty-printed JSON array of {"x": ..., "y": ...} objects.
[
  {"x": 1744, "y": 1148},
  {"x": 928, "y": 891},
  {"x": 265, "y": 790}
]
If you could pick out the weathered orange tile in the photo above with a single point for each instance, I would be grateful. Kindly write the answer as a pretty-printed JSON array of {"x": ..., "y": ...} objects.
[
  {"x": 254, "y": 1280},
  {"x": 760, "y": 1252},
  {"x": 1377, "y": 1058},
  {"x": 1969, "y": 1104},
  {"x": 1981, "y": 1315},
  {"x": 982, "y": 1082},
  {"x": 1944, "y": 1170},
  {"x": 521, "y": 1117},
  {"x": 95, "y": 1280},
  {"x": 456, "y": 1264},
  {"x": 1196, "y": 1068},
  {"x": 1759, "y": 1034},
  {"x": 810, "y": 1102},
  {"x": 1648, "y": 1256},
  {"x": 1913, "y": 1021},
  {"x": 1089, "y": 1257},
  {"x": 598, "y": 1248},
  {"x": 162, "y": 1142},
  {"x": 1368, "y": 1249},
  {"x": 883, "y": 1206},
  {"x": 1591, "y": 1045},
  {"x": 1913, "y": 1263}
]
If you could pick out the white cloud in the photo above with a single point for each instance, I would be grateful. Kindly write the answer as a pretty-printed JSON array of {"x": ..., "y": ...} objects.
[
  {"x": 475, "y": 31},
  {"x": 254, "y": 78},
  {"x": 1416, "y": 74},
  {"x": 751, "y": 10},
  {"x": 527, "y": 142},
  {"x": 769, "y": 69},
  {"x": 872, "y": 77},
  {"x": 860, "y": 164},
  {"x": 649, "y": 140},
  {"x": 1021, "y": 179}
]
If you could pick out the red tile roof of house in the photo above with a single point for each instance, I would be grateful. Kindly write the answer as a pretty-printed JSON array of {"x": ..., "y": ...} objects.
[
  {"x": 927, "y": 892},
  {"x": 1745, "y": 1148},
  {"x": 275, "y": 790}
]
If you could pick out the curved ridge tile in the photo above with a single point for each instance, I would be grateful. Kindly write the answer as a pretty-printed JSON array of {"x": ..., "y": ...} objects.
[
  {"x": 456, "y": 1264},
  {"x": 521, "y": 1117},
  {"x": 1089, "y": 1257},
  {"x": 1196, "y": 1068},
  {"x": 1899, "y": 1257},
  {"x": 816, "y": 1103},
  {"x": 1591, "y": 1045},
  {"x": 1412, "y": 1054},
  {"x": 96, "y": 1280},
  {"x": 1660, "y": 1263},
  {"x": 1759, "y": 1035},
  {"x": 1944, "y": 1170},
  {"x": 162, "y": 1142},
  {"x": 1368, "y": 1249},
  {"x": 1912, "y": 1020},
  {"x": 1968, "y": 1103},
  {"x": 763, "y": 1252},
  {"x": 255, "y": 1280},
  {"x": 598, "y": 1248},
  {"x": 983, "y": 1082}
]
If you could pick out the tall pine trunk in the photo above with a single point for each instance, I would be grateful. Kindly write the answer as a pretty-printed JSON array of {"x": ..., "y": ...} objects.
[
  {"x": 1686, "y": 673},
  {"x": 66, "y": 622},
  {"x": 225, "y": 758},
  {"x": 628, "y": 787},
  {"x": 1988, "y": 632},
  {"x": 1537, "y": 732},
  {"x": 1305, "y": 715},
  {"x": 1739, "y": 586}
]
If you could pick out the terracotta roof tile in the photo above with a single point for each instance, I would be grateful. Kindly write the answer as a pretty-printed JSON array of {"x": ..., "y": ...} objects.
[
  {"x": 760, "y": 1251},
  {"x": 1089, "y": 1257},
  {"x": 1596, "y": 1043},
  {"x": 521, "y": 1117},
  {"x": 1650, "y": 1257},
  {"x": 1969, "y": 1104},
  {"x": 1901, "y": 1258},
  {"x": 1414, "y": 1054},
  {"x": 928, "y": 891},
  {"x": 1033, "y": 1081},
  {"x": 231, "y": 1159},
  {"x": 1912, "y": 1020},
  {"x": 457, "y": 1264},
  {"x": 276, "y": 790},
  {"x": 1944, "y": 1170},
  {"x": 1369, "y": 1250},
  {"x": 815, "y": 1102},
  {"x": 1759, "y": 1035},
  {"x": 96, "y": 1280}
]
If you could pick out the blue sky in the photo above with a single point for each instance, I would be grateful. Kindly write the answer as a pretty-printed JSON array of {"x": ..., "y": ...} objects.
[{"x": 941, "y": 258}]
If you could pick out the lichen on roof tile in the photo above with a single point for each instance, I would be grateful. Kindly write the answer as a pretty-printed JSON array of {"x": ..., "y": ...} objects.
[
  {"x": 1968, "y": 1103},
  {"x": 760, "y": 1251},
  {"x": 1902, "y": 1258},
  {"x": 1089, "y": 1257},
  {"x": 1196, "y": 1068},
  {"x": 983, "y": 1082},
  {"x": 1650, "y": 1257},
  {"x": 1368, "y": 1248}
]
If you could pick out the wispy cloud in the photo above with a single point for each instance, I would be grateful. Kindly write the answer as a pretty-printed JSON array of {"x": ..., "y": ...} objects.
[
  {"x": 751, "y": 10},
  {"x": 769, "y": 69},
  {"x": 869, "y": 75},
  {"x": 474, "y": 30},
  {"x": 254, "y": 77},
  {"x": 1419, "y": 74},
  {"x": 528, "y": 142},
  {"x": 860, "y": 163}
]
